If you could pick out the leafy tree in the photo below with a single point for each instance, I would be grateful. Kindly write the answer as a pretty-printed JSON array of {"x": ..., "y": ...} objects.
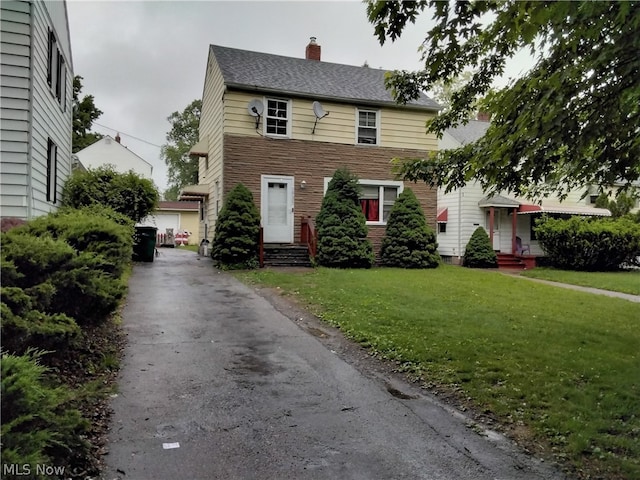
[
  {"x": 84, "y": 114},
  {"x": 619, "y": 206},
  {"x": 442, "y": 90},
  {"x": 342, "y": 227},
  {"x": 235, "y": 243},
  {"x": 126, "y": 193},
  {"x": 184, "y": 134},
  {"x": 571, "y": 120},
  {"x": 479, "y": 252},
  {"x": 408, "y": 241}
]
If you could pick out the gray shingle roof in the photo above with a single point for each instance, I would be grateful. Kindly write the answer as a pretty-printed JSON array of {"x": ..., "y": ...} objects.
[
  {"x": 470, "y": 132},
  {"x": 309, "y": 78}
]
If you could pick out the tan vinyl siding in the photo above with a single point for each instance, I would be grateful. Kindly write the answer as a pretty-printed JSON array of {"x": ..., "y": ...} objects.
[
  {"x": 211, "y": 127},
  {"x": 398, "y": 128}
]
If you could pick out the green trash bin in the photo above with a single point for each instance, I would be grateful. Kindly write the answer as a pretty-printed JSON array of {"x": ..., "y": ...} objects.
[{"x": 144, "y": 244}]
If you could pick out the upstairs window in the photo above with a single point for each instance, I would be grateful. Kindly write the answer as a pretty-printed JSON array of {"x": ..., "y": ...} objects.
[
  {"x": 277, "y": 117},
  {"x": 367, "y": 127},
  {"x": 56, "y": 71}
]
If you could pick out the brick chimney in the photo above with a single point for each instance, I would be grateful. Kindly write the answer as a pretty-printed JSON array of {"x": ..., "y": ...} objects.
[
  {"x": 312, "y": 51},
  {"x": 118, "y": 137}
]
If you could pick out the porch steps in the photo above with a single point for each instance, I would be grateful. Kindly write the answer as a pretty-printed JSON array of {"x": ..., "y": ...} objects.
[
  {"x": 507, "y": 261},
  {"x": 286, "y": 255}
]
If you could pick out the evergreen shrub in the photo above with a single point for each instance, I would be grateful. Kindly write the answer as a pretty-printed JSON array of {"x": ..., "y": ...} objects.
[
  {"x": 38, "y": 422},
  {"x": 235, "y": 242},
  {"x": 341, "y": 225},
  {"x": 409, "y": 242},
  {"x": 479, "y": 251}
]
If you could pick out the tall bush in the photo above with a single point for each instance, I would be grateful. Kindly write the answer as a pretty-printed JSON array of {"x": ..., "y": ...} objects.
[
  {"x": 126, "y": 193},
  {"x": 479, "y": 251},
  {"x": 341, "y": 225},
  {"x": 409, "y": 242},
  {"x": 583, "y": 243},
  {"x": 235, "y": 242}
]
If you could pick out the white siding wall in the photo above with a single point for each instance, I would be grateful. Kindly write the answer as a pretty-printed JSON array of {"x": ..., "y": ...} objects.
[
  {"x": 31, "y": 114},
  {"x": 15, "y": 47},
  {"x": 50, "y": 119},
  {"x": 107, "y": 151}
]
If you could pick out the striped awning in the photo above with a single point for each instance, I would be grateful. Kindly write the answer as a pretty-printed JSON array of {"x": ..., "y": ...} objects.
[
  {"x": 443, "y": 215},
  {"x": 525, "y": 209}
]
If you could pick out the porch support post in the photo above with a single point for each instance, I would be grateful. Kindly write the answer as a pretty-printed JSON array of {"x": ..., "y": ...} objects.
[
  {"x": 514, "y": 226},
  {"x": 491, "y": 219}
]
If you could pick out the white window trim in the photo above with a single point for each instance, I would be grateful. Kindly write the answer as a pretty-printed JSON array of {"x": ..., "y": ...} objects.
[
  {"x": 357, "y": 122},
  {"x": 265, "y": 102},
  {"x": 377, "y": 183}
]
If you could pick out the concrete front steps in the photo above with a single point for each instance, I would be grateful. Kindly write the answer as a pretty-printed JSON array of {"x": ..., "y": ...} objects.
[{"x": 286, "y": 255}]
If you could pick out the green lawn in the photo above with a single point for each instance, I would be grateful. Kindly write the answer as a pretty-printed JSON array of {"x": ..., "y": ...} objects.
[
  {"x": 562, "y": 365},
  {"x": 625, "y": 282}
]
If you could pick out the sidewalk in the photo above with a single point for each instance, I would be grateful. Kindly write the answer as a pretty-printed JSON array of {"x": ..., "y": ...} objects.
[{"x": 597, "y": 291}]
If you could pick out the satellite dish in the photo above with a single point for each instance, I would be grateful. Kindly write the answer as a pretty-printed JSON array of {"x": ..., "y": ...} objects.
[
  {"x": 319, "y": 113},
  {"x": 255, "y": 108},
  {"x": 318, "y": 110}
]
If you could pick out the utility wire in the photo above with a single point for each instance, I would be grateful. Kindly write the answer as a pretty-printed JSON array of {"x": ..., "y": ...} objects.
[{"x": 127, "y": 134}]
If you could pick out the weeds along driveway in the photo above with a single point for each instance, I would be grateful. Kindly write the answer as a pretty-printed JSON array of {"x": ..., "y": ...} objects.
[{"x": 217, "y": 383}]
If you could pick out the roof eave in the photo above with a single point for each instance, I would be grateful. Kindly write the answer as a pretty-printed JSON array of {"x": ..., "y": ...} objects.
[{"x": 359, "y": 101}]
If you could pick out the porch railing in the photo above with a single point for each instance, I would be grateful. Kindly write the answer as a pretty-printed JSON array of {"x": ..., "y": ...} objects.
[{"x": 308, "y": 235}]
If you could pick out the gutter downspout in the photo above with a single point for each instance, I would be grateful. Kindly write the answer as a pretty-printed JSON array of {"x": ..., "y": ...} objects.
[{"x": 30, "y": 199}]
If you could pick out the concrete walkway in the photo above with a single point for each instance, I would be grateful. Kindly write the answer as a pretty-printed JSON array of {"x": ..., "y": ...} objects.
[
  {"x": 597, "y": 291},
  {"x": 216, "y": 383}
]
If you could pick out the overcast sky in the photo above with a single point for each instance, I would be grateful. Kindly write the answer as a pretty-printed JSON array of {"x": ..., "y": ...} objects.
[{"x": 144, "y": 60}]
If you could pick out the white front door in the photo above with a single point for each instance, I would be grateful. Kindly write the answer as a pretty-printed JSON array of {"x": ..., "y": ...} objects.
[
  {"x": 277, "y": 208},
  {"x": 496, "y": 227}
]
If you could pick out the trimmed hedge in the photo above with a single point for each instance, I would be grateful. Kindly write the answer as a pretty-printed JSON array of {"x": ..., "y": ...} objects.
[
  {"x": 479, "y": 251},
  {"x": 584, "y": 243},
  {"x": 409, "y": 242}
]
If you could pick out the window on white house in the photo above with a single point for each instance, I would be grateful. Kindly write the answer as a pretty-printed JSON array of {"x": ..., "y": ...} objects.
[
  {"x": 368, "y": 127},
  {"x": 57, "y": 71},
  {"x": 442, "y": 227},
  {"x": 52, "y": 171},
  {"x": 277, "y": 117}
]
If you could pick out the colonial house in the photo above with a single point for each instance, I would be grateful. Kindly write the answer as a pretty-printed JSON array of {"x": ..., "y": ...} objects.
[
  {"x": 283, "y": 125},
  {"x": 110, "y": 151},
  {"x": 36, "y": 79},
  {"x": 508, "y": 220}
]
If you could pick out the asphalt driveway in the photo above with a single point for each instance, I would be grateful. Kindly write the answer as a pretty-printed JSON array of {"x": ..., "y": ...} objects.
[{"x": 217, "y": 383}]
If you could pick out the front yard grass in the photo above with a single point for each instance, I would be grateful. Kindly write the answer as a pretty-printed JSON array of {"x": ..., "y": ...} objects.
[
  {"x": 561, "y": 365},
  {"x": 624, "y": 281}
]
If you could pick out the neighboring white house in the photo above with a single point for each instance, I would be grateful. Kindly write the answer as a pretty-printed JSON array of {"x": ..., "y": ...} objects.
[
  {"x": 508, "y": 220},
  {"x": 36, "y": 90},
  {"x": 109, "y": 151}
]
